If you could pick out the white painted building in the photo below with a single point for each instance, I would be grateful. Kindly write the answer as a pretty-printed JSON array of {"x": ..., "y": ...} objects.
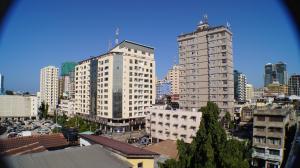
[
  {"x": 249, "y": 92},
  {"x": 18, "y": 106},
  {"x": 164, "y": 124},
  {"x": 115, "y": 88},
  {"x": 66, "y": 107},
  {"x": 49, "y": 87}
]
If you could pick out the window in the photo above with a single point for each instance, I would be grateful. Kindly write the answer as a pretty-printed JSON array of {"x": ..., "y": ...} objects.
[
  {"x": 276, "y": 119},
  {"x": 274, "y": 152},
  {"x": 260, "y": 118},
  {"x": 135, "y": 51},
  {"x": 140, "y": 165},
  {"x": 224, "y": 60},
  {"x": 223, "y": 47}
]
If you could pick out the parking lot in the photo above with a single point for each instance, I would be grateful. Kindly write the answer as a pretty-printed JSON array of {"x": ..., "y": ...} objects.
[{"x": 26, "y": 128}]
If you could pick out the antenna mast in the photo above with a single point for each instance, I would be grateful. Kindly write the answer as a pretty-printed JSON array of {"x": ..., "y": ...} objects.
[
  {"x": 109, "y": 45},
  {"x": 117, "y": 36}
]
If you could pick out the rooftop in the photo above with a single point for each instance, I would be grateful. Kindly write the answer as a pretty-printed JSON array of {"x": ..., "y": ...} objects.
[
  {"x": 167, "y": 148},
  {"x": 87, "y": 157},
  {"x": 20, "y": 145},
  {"x": 119, "y": 147},
  {"x": 273, "y": 109}
]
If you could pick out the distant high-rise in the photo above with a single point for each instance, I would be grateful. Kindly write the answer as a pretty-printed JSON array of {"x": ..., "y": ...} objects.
[
  {"x": 66, "y": 82},
  {"x": 173, "y": 77},
  {"x": 1, "y": 84},
  {"x": 67, "y": 68},
  {"x": 275, "y": 73},
  {"x": 294, "y": 85},
  {"x": 49, "y": 87},
  {"x": 239, "y": 86},
  {"x": 206, "y": 67},
  {"x": 249, "y": 92}
]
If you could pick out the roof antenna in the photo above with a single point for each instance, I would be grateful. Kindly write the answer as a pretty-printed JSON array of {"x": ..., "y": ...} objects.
[
  {"x": 228, "y": 25},
  {"x": 205, "y": 18},
  {"x": 109, "y": 45},
  {"x": 117, "y": 36}
]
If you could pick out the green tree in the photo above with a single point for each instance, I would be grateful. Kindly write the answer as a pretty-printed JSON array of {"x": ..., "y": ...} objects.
[
  {"x": 43, "y": 111},
  {"x": 210, "y": 148},
  {"x": 9, "y": 92}
]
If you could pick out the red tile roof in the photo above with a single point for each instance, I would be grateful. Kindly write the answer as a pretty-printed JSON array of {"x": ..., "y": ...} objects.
[
  {"x": 118, "y": 146},
  {"x": 23, "y": 144}
]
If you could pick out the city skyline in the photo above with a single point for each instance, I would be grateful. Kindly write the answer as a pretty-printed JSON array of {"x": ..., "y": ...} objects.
[{"x": 45, "y": 37}]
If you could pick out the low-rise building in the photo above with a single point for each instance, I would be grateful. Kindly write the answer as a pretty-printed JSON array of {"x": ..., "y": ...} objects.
[
  {"x": 18, "y": 106},
  {"x": 66, "y": 107},
  {"x": 269, "y": 131},
  {"x": 164, "y": 123},
  {"x": 137, "y": 157},
  {"x": 87, "y": 157}
]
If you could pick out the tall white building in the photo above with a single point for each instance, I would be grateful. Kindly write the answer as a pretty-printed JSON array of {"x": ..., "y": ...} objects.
[
  {"x": 206, "y": 67},
  {"x": 49, "y": 87},
  {"x": 114, "y": 89}
]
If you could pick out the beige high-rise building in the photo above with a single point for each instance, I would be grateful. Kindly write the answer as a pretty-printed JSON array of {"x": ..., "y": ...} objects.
[
  {"x": 206, "y": 67},
  {"x": 114, "y": 89},
  {"x": 49, "y": 87},
  {"x": 173, "y": 77},
  {"x": 249, "y": 92}
]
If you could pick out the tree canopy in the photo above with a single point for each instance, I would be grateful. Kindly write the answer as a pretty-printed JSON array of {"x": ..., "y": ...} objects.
[{"x": 210, "y": 148}]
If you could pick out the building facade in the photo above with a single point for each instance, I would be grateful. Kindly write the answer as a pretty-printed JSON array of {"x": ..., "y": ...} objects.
[
  {"x": 66, "y": 107},
  {"x": 240, "y": 82},
  {"x": 17, "y": 106},
  {"x": 115, "y": 88},
  {"x": 162, "y": 124},
  {"x": 1, "y": 84},
  {"x": 49, "y": 87},
  {"x": 173, "y": 77},
  {"x": 249, "y": 92},
  {"x": 163, "y": 88},
  {"x": 67, "y": 80},
  {"x": 277, "y": 89},
  {"x": 275, "y": 73},
  {"x": 269, "y": 131},
  {"x": 206, "y": 67},
  {"x": 294, "y": 85}
]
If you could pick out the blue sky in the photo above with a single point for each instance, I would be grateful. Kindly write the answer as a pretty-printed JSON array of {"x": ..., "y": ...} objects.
[{"x": 40, "y": 33}]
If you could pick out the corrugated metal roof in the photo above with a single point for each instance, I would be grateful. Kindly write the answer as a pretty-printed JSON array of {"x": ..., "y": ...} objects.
[
  {"x": 121, "y": 147},
  {"x": 87, "y": 157}
]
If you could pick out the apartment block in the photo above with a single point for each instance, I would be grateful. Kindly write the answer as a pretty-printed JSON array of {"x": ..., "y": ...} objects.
[
  {"x": 206, "y": 67},
  {"x": 269, "y": 132},
  {"x": 163, "y": 124},
  {"x": 240, "y": 82},
  {"x": 49, "y": 87},
  {"x": 66, "y": 107},
  {"x": 294, "y": 85},
  {"x": 115, "y": 88}
]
